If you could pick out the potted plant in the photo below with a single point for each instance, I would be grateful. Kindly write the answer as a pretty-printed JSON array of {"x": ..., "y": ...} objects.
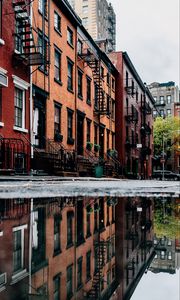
[
  {"x": 89, "y": 146},
  {"x": 96, "y": 147}
]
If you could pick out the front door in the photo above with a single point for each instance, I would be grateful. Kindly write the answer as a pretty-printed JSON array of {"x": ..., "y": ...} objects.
[
  {"x": 39, "y": 121},
  {"x": 80, "y": 134}
]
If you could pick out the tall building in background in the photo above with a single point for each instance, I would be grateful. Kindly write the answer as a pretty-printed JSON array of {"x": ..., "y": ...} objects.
[{"x": 99, "y": 19}]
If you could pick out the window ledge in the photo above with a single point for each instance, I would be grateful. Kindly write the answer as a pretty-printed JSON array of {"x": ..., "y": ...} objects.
[
  {"x": 57, "y": 252},
  {"x": 70, "y": 45},
  {"x": 58, "y": 81},
  {"x": 69, "y": 246},
  {"x": 59, "y": 32},
  {"x": 80, "y": 97},
  {"x": 70, "y": 90},
  {"x": 20, "y": 129},
  {"x": 88, "y": 102},
  {"x": 19, "y": 276},
  {"x": 2, "y": 42},
  {"x": 1, "y": 124},
  {"x": 16, "y": 51}
]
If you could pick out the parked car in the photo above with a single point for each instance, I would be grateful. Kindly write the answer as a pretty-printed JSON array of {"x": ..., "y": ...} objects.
[{"x": 168, "y": 175}]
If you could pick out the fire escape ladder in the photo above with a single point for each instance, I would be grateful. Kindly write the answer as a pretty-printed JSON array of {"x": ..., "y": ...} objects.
[
  {"x": 26, "y": 48},
  {"x": 100, "y": 252}
]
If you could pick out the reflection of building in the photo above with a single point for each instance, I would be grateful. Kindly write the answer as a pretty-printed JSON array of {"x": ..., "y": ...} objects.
[
  {"x": 66, "y": 246},
  {"x": 134, "y": 233},
  {"x": 99, "y": 19},
  {"x": 134, "y": 122},
  {"x": 164, "y": 261}
]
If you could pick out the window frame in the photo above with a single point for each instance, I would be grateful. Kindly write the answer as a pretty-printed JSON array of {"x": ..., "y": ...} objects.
[
  {"x": 80, "y": 84},
  {"x": 70, "y": 37},
  {"x": 58, "y": 67},
  {"x": 79, "y": 272},
  {"x": 70, "y": 75},
  {"x": 20, "y": 228},
  {"x": 58, "y": 21},
  {"x": 57, "y": 106},
  {"x": 88, "y": 90}
]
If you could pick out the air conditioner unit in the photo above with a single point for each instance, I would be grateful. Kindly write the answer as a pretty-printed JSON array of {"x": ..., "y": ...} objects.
[
  {"x": 3, "y": 279},
  {"x": 3, "y": 80}
]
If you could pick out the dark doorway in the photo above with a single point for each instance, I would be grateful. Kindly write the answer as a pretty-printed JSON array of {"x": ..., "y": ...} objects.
[
  {"x": 39, "y": 122},
  {"x": 80, "y": 133},
  {"x": 101, "y": 141}
]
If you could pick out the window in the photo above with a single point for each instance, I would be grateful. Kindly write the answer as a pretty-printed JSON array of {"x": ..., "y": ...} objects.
[
  {"x": 56, "y": 289},
  {"x": 69, "y": 282},
  {"x": 113, "y": 273},
  {"x": 113, "y": 83},
  {"x": 113, "y": 245},
  {"x": 43, "y": 49},
  {"x": 102, "y": 72},
  {"x": 155, "y": 98},
  {"x": 18, "y": 38},
  {"x": 161, "y": 99},
  {"x": 108, "y": 278},
  {"x": 95, "y": 96},
  {"x": 88, "y": 265},
  {"x": 57, "y": 65},
  {"x": 108, "y": 250},
  {"x": 57, "y": 22},
  {"x": 108, "y": 133},
  {"x": 70, "y": 36},
  {"x": 85, "y": 22},
  {"x": 101, "y": 213},
  {"x": 154, "y": 113},
  {"x": 43, "y": 7},
  {"x": 127, "y": 78},
  {"x": 80, "y": 77},
  {"x": 57, "y": 243},
  {"x": 95, "y": 134},
  {"x": 88, "y": 137},
  {"x": 80, "y": 222},
  {"x": 113, "y": 140},
  {"x": 69, "y": 228},
  {"x": 85, "y": 9},
  {"x": 168, "y": 99},
  {"x": 168, "y": 112},
  {"x": 88, "y": 224},
  {"x": 79, "y": 272},
  {"x": 162, "y": 113},
  {"x": 169, "y": 255},
  {"x": 162, "y": 255},
  {"x": 19, "y": 107},
  {"x": 108, "y": 103},
  {"x": 57, "y": 119},
  {"x": 113, "y": 213},
  {"x": 88, "y": 95},
  {"x": 113, "y": 110},
  {"x": 108, "y": 78},
  {"x": 70, "y": 124},
  {"x": 70, "y": 76},
  {"x": 79, "y": 46},
  {"x": 18, "y": 248}
]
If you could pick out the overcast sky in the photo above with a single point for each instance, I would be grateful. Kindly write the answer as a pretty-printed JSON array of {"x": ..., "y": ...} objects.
[{"x": 149, "y": 31}]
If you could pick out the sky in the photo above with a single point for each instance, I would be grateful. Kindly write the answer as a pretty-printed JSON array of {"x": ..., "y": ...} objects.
[{"x": 148, "y": 30}]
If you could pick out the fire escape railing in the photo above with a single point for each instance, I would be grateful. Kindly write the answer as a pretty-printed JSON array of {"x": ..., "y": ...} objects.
[{"x": 29, "y": 51}]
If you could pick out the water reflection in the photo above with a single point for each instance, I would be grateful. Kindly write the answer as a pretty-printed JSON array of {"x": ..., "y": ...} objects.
[{"x": 83, "y": 248}]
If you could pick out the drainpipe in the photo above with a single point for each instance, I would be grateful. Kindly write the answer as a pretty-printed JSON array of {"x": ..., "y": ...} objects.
[
  {"x": 30, "y": 246},
  {"x": 31, "y": 96},
  {"x": 75, "y": 94}
]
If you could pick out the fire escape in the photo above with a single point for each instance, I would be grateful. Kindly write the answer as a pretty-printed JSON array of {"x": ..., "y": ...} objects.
[
  {"x": 100, "y": 106},
  {"x": 28, "y": 51}
]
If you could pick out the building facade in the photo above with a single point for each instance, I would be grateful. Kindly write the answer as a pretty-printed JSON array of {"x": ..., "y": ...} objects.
[
  {"x": 165, "y": 95},
  {"x": 14, "y": 94},
  {"x": 99, "y": 19},
  {"x": 134, "y": 120},
  {"x": 74, "y": 96}
]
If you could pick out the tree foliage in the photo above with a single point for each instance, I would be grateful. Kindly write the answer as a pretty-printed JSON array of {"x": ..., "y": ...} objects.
[{"x": 169, "y": 129}]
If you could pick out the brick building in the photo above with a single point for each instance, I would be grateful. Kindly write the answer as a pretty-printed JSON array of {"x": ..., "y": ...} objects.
[
  {"x": 14, "y": 93},
  {"x": 134, "y": 121},
  {"x": 74, "y": 96}
]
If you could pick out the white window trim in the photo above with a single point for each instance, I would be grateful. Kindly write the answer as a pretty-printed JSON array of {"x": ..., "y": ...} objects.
[
  {"x": 1, "y": 233},
  {"x": 2, "y": 287},
  {"x": 3, "y": 71},
  {"x": 1, "y": 124},
  {"x": 22, "y": 273},
  {"x": 22, "y": 85}
]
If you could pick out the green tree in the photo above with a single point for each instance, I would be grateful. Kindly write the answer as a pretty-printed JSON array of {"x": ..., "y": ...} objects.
[{"x": 169, "y": 129}]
